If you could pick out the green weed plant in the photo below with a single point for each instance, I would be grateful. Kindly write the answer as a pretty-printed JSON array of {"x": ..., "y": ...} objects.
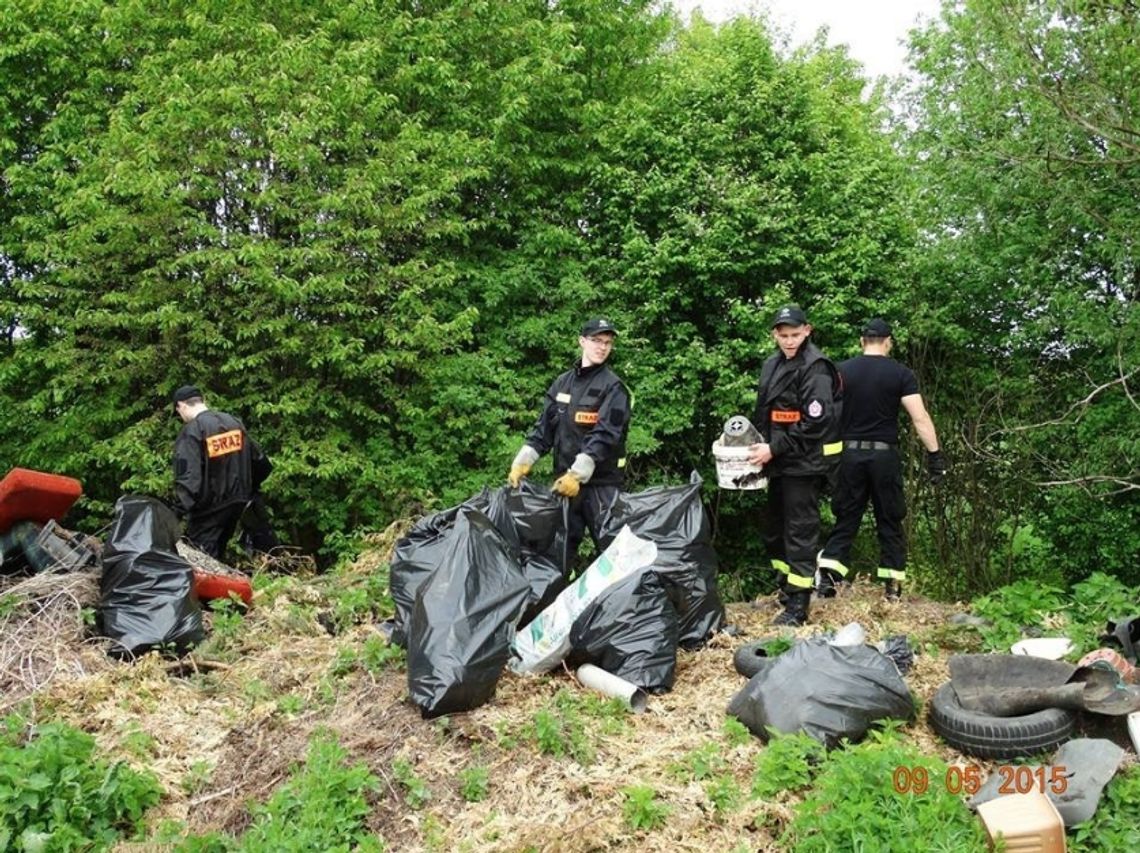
[
  {"x": 55, "y": 794},
  {"x": 322, "y": 806},
  {"x": 642, "y": 809},
  {"x": 416, "y": 791},
  {"x": 853, "y": 805}
]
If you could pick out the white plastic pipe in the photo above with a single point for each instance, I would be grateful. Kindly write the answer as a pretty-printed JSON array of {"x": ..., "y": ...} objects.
[{"x": 612, "y": 685}]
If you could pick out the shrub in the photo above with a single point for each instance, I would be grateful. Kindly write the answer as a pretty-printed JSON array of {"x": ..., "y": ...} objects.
[
  {"x": 54, "y": 794},
  {"x": 854, "y": 805}
]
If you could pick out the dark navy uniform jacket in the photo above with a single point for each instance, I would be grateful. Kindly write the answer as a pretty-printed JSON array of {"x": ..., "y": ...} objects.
[
  {"x": 799, "y": 407},
  {"x": 216, "y": 463},
  {"x": 586, "y": 410}
]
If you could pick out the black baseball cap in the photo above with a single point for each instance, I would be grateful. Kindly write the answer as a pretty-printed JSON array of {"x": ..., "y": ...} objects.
[
  {"x": 877, "y": 328},
  {"x": 186, "y": 392},
  {"x": 597, "y": 326},
  {"x": 790, "y": 315}
]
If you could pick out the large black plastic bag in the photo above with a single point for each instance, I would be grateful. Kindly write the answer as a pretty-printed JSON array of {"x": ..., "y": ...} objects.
[
  {"x": 828, "y": 692},
  {"x": 461, "y": 626},
  {"x": 532, "y": 520},
  {"x": 674, "y": 518},
  {"x": 630, "y": 631},
  {"x": 147, "y": 598},
  {"x": 419, "y": 554}
]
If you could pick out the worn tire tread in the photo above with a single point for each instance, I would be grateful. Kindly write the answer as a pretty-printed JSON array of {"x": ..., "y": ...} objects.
[{"x": 986, "y": 736}]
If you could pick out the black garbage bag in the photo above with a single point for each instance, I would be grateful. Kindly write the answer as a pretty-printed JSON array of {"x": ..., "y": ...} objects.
[
  {"x": 532, "y": 520},
  {"x": 630, "y": 630},
  {"x": 674, "y": 518},
  {"x": 461, "y": 625},
  {"x": 417, "y": 556},
  {"x": 147, "y": 598},
  {"x": 829, "y": 692}
]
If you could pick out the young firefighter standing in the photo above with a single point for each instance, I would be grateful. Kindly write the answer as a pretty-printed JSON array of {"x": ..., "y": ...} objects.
[
  {"x": 584, "y": 420},
  {"x": 874, "y": 388},
  {"x": 798, "y": 409}
]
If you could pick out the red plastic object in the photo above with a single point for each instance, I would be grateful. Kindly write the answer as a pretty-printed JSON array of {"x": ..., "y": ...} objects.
[
  {"x": 27, "y": 495},
  {"x": 211, "y": 585}
]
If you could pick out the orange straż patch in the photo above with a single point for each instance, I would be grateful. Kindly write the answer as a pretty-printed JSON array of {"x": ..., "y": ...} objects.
[
  {"x": 780, "y": 416},
  {"x": 224, "y": 443}
]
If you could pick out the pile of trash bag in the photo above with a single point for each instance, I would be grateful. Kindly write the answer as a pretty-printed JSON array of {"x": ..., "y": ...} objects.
[{"x": 468, "y": 579}]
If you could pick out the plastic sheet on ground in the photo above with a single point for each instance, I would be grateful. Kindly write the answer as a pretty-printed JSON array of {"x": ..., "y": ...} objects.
[
  {"x": 1085, "y": 765},
  {"x": 829, "y": 692},
  {"x": 146, "y": 590},
  {"x": 545, "y": 641},
  {"x": 460, "y": 627},
  {"x": 630, "y": 631},
  {"x": 674, "y": 519}
]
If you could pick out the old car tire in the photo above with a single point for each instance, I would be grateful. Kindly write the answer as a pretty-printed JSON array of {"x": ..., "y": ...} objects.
[
  {"x": 750, "y": 658},
  {"x": 985, "y": 736}
]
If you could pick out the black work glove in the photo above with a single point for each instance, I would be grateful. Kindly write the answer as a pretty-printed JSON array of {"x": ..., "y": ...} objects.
[{"x": 935, "y": 466}]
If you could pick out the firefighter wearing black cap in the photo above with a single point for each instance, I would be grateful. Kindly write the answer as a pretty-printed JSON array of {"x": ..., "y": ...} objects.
[
  {"x": 217, "y": 470},
  {"x": 584, "y": 421},
  {"x": 798, "y": 409},
  {"x": 875, "y": 387}
]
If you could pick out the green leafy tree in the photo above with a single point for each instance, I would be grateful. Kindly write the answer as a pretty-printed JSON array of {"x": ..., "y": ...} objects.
[
  {"x": 305, "y": 209},
  {"x": 1024, "y": 129}
]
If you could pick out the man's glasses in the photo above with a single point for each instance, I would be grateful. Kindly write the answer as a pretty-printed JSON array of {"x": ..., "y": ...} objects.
[{"x": 600, "y": 342}]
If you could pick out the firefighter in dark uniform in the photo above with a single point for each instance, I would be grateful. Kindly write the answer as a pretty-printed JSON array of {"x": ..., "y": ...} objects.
[
  {"x": 875, "y": 386},
  {"x": 798, "y": 409},
  {"x": 584, "y": 421},
  {"x": 217, "y": 470}
]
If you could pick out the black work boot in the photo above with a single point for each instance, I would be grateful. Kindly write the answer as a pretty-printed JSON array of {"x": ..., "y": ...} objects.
[
  {"x": 892, "y": 590},
  {"x": 796, "y": 610},
  {"x": 828, "y": 585}
]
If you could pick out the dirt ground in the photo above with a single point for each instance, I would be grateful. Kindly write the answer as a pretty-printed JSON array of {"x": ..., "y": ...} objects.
[{"x": 226, "y": 729}]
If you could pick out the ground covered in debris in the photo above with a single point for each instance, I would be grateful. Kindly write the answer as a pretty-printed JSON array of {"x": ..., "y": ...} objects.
[{"x": 547, "y": 765}]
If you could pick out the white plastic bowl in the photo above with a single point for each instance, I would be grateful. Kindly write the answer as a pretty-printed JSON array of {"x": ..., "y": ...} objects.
[{"x": 1053, "y": 648}]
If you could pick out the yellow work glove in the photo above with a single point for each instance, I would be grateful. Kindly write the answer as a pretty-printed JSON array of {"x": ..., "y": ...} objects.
[
  {"x": 516, "y": 475},
  {"x": 567, "y": 485}
]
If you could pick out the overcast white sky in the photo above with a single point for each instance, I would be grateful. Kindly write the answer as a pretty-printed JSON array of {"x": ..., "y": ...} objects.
[{"x": 874, "y": 30}]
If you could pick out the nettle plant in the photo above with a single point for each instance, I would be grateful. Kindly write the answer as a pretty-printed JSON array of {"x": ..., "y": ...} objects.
[{"x": 56, "y": 794}]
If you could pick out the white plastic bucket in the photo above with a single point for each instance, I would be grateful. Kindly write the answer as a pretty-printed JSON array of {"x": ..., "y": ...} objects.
[{"x": 734, "y": 471}]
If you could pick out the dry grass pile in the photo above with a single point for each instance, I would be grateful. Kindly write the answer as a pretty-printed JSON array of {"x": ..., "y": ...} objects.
[{"x": 43, "y": 633}]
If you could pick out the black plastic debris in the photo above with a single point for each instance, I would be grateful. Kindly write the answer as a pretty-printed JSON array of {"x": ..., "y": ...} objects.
[
  {"x": 147, "y": 596},
  {"x": 828, "y": 692},
  {"x": 531, "y": 520},
  {"x": 631, "y": 632},
  {"x": 674, "y": 518},
  {"x": 461, "y": 625}
]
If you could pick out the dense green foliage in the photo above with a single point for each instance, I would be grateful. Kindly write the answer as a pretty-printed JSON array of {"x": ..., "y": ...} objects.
[
  {"x": 1116, "y": 824},
  {"x": 56, "y": 795},
  {"x": 1031, "y": 608},
  {"x": 370, "y": 228},
  {"x": 1025, "y": 132},
  {"x": 854, "y": 805}
]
